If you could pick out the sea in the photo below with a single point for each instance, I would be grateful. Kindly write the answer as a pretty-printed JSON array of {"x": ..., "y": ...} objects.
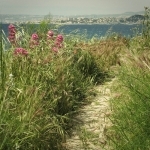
[{"x": 95, "y": 30}]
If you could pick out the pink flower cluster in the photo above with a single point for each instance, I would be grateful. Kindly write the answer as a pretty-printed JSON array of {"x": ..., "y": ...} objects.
[
  {"x": 60, "y": 38},
  {"x": 34, "y": 40},
  {"x": 50, "y": 35},
  {"x": 12, "y": 33},
  {"x": 54, "y": 42},
  {"x": 58, "y": 43},
  {"x": 20, "y": 51},
  {"x": 35, "y": 37}
]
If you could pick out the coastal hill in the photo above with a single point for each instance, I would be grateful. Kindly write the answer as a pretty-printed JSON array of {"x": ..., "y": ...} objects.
[
  {"x": 135, "y": 18},
  {"x": 126, "y": 14}
]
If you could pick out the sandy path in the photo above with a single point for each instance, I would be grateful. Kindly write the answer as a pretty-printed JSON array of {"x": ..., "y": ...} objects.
[{"x": 93, "y": 121}]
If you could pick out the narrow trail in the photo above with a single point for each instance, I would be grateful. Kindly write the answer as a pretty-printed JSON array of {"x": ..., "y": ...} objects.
[{"x": 93, "y": 121}]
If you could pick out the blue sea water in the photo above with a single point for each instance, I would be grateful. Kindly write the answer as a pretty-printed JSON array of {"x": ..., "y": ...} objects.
[{"x": 99, "y": 30}]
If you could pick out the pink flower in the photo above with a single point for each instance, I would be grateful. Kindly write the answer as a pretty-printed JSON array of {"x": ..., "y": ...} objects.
[
  {"x": 12, "y": 33},
  {"x": 34, "y": 40},
  {"x": 12, "y": 39},
  {"x": 50, "y": 33},
  {"x": 11, "y": 26},
  {"x": 12, "y": 30},
  {"x": 58, "y": 44},
  {"x": 34, "y": 36},
  {"x": 59, "y": 38},
  {"x": 20, "y": 51}
]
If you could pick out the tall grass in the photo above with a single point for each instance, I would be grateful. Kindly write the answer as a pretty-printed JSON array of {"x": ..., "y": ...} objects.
[
  {"x": 130, "y": 118},
  {"x": 41, "y": 90},
  {"x": 131, "y": 110}
]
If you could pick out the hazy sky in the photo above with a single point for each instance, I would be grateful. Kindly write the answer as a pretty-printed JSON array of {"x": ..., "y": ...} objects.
[{"x": 71, "y": 7}]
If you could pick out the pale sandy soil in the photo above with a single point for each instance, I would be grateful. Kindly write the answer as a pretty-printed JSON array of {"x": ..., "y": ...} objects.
[{"x": 93, "y": 122}]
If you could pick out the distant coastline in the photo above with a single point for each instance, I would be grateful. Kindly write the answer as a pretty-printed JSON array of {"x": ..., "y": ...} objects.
[{"x": 20, "y": 19}]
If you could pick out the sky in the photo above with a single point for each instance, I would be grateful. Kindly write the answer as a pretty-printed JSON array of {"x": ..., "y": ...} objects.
[{"x": 71, "y": 7}]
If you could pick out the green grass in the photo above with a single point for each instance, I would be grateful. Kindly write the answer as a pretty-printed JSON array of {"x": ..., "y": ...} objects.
[
  {"x": 130, "y": 118},
  {"x": 131, "y": 110},
  {"x": 41, "y": 91}
]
